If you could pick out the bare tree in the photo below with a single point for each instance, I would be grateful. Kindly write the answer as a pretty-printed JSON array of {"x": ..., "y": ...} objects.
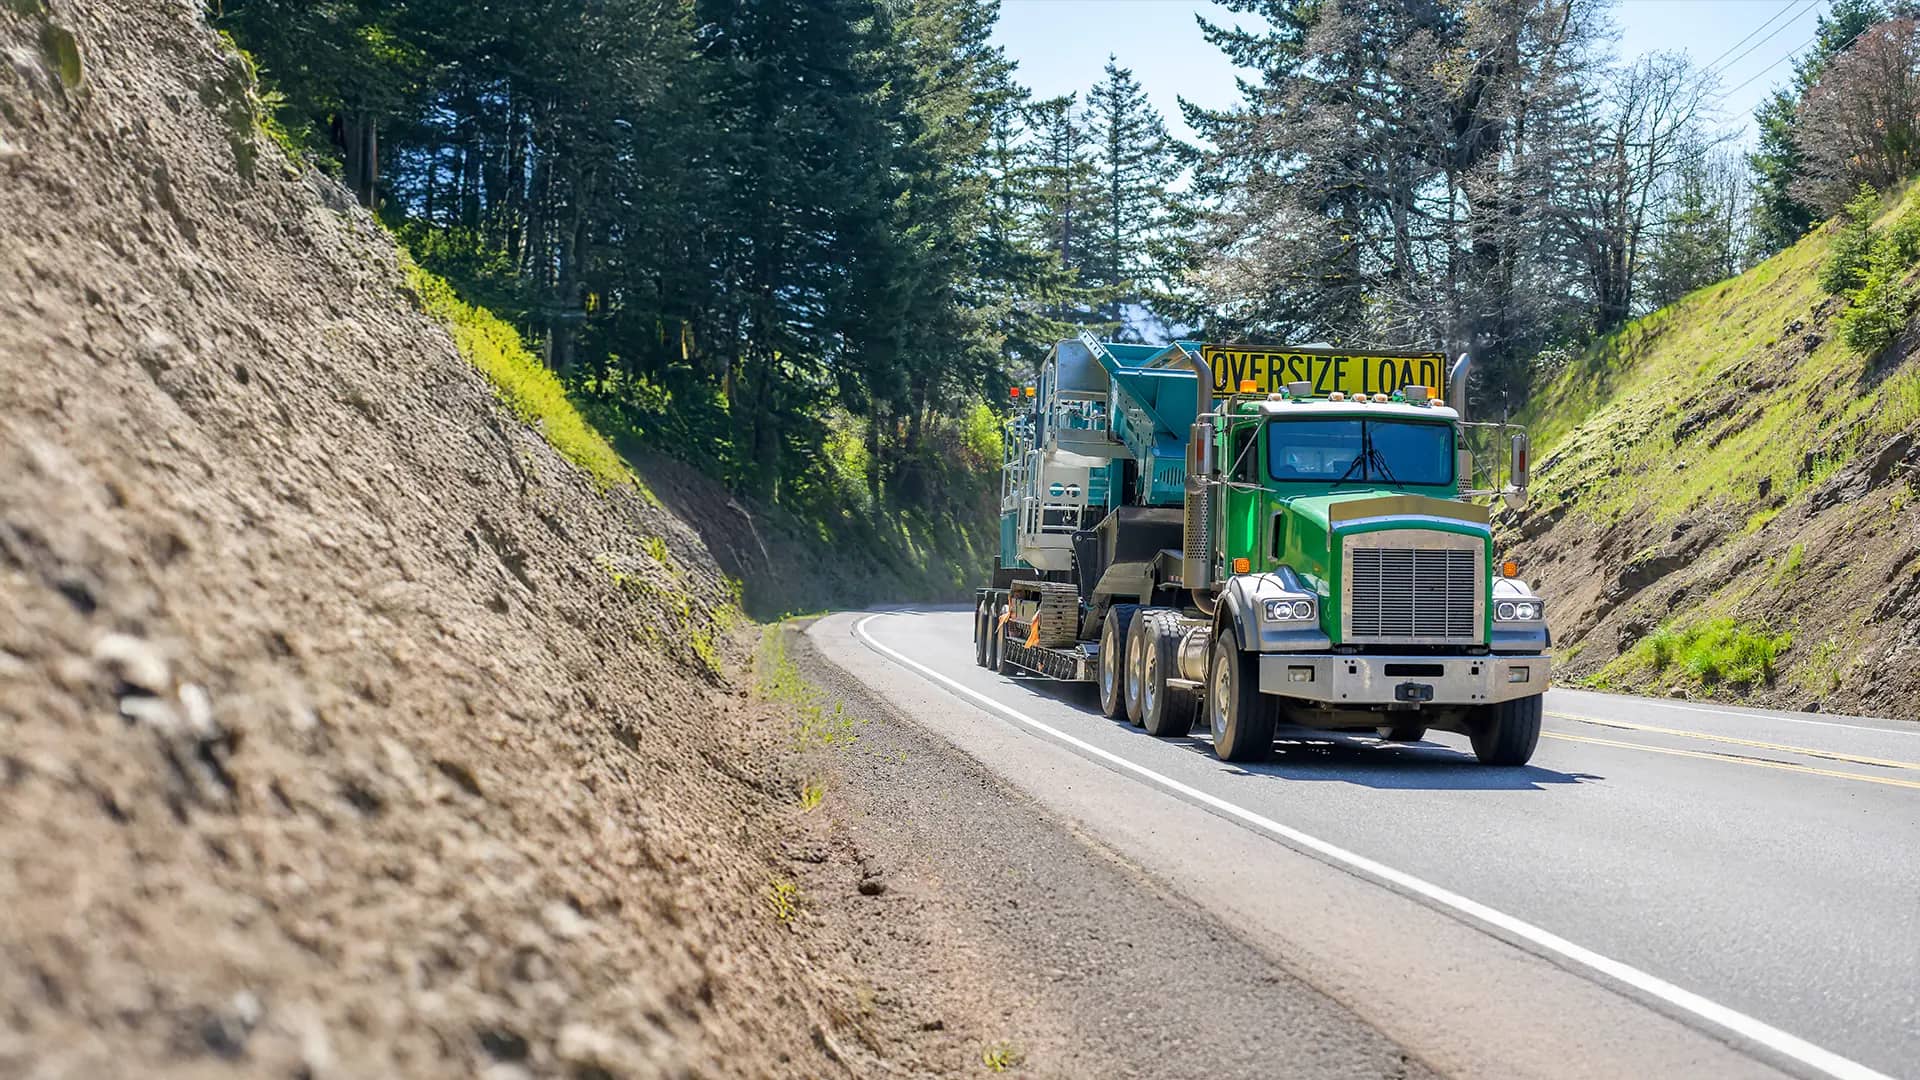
[
  {"x": 1860, "y": 124},
  {"x": 1649, "y": 121}
]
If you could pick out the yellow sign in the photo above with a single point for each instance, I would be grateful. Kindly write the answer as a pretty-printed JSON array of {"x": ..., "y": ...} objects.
[{"x": 1270, "y": 369}]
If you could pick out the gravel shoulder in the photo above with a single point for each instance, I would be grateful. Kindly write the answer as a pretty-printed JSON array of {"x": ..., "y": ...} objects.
[{"x": 1006, "y": 928}]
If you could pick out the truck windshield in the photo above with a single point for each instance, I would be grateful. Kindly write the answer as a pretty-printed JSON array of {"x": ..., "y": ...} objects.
[{"x": 1377, "y": 451}]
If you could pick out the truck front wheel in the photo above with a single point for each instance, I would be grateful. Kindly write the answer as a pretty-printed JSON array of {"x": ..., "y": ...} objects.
[
  {"x": 1239, "y": 714},
  {"x": 1113, "y": 651},
  {"x": 1505, "y": 734}
]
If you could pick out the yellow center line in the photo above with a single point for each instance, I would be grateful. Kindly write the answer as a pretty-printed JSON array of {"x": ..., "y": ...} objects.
[
  {"x": 1807, "y": 751},
  {"x": 1734, "y": 760}
]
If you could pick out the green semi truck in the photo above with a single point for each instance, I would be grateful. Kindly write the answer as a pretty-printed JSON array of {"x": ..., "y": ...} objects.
[{"x": 1249, "y": 537}]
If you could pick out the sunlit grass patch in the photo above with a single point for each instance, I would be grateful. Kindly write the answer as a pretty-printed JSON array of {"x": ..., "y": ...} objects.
[
  {"x": 531, "y": 391},
  {"x": 1710, "y": 653}
]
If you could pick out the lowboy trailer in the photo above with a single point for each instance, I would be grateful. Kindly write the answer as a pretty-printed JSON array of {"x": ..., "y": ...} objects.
[{"x": 1256, "y": 536}]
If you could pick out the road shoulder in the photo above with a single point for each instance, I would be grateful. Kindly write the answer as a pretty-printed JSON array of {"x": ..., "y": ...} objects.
[{"x": 1011, "y": 932}]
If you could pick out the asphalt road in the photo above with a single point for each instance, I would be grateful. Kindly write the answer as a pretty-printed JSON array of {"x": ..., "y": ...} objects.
[{"x": 1669, "y": 887}]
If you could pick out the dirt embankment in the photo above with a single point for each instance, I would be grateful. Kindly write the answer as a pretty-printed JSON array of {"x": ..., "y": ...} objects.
[
  {"x": 1724, "y": 502},
  {"x": 345, "y": 730}
]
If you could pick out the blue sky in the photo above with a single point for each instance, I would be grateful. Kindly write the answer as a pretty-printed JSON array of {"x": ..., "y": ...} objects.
[{"x": 1061, "y": 45}]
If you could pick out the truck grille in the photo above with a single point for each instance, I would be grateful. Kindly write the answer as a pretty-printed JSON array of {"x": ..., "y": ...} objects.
[{"x": 1413, "y": 593}]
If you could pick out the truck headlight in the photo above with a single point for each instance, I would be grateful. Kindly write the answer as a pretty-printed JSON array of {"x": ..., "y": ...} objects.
[
  {"x": 1519, "y": 611},
  {"x": 1289, "y": 610}
]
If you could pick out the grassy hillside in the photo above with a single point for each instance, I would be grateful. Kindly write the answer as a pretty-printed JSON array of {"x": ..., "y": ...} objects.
[
  {"x": 1722, "y": 499},
  {"x": 836, "y": 549}
]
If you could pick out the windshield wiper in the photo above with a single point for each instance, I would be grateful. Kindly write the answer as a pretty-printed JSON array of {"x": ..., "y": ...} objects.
[
  {"x": 1360, "y": 459},
  {"x": 1379, "y": 459}
]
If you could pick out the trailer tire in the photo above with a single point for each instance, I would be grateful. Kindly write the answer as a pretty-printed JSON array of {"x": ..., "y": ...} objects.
[
  {"x": 997, "y": 643},
  {"x": 1113, "y": 651},
  {"x": 1167, "y": 712},
  {"x": 1409, "y": 731},
  {"x": 982, "y": 623},
  {"x": 1506, "y": 734},
  {"x": 1240, "y": 716},
  {"x": 1134, "y": 667}
]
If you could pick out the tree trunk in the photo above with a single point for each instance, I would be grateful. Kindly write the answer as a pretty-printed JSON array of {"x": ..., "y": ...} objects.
[{"x": 360, "y": 134}]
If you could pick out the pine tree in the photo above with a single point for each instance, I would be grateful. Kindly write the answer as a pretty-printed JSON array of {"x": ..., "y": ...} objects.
[
  {"x": 1134, "y": 163},
  {"x": 1064, "y": 180}
]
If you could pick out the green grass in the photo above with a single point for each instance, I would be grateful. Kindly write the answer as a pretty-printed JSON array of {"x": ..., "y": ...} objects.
[
  {"x": 531, "y": 391},
  {"x": 1820, "y": 674},
  {"x": 820, "y": 723},
  {"x": 1712, "y": 652},
  {"x": 1792, "y": 564}
]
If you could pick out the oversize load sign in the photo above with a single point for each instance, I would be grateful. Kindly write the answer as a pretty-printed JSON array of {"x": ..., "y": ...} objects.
[{"x": 1327, "y": 369}]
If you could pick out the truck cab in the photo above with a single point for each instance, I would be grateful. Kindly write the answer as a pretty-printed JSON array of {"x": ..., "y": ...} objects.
[{"x": 1357, "y": 588}]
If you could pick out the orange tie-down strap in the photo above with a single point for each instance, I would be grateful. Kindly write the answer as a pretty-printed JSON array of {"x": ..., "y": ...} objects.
[{"x": 1033, "y": 635}]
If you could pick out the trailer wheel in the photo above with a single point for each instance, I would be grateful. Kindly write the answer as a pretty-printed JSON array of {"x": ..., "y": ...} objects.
[
  {"x": 997, "y": 642},
  {"x": 1165, "y": 711},
  {"x": 1113, "y": 650},
  {"x": 1505, "y": 734},
  {"x": 1239, "y": 714},
  {"x": 1134, "y": 672},
  {"x": 980, "y": 624},
  {"x": 1407, "y": 731}
]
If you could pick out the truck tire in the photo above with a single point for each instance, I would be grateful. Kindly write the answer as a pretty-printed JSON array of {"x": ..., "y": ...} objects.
[
  {"x": 1505, "y": 734},
  {"x": 997, "y": 642},
  {"x": 1113, "y": 650},
  {"x": 1133, "y": 669},
  {"x": 981, "y": 622},
  {"x": 1405, "y": 731},
  {"x": 1239, "y": 714},
  {"x": 1166, "y": 712}
]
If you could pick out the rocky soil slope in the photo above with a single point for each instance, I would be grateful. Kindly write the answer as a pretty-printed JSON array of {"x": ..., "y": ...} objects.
[
  {"x": 1726, "y": 479},
  {"x": 345, "y": 729}
]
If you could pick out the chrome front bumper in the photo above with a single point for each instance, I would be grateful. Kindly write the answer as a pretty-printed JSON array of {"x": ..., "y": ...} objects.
[{"x": 1403, "y": 680}]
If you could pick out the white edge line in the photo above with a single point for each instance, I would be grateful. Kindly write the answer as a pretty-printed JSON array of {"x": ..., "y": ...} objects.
[
  {"x": 1739, "y": 1023},
  {"x": 1748, "y": 714}
]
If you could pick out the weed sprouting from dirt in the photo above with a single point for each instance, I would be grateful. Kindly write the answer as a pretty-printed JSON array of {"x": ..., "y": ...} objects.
[
  {"x": 1002, "y": 1056},
  {"x": 812, "y": 794},
  {"x": 783, "y": 899},
  {"x": 656, "y": 548},
  {"x": 611, "y": 567}
]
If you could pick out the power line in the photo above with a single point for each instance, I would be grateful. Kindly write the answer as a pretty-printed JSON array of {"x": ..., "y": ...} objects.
[
  {"x": 1756, "y": 45},
  {"x": 1796, "y": 51},
  {"x": 1709, "y": 65}
]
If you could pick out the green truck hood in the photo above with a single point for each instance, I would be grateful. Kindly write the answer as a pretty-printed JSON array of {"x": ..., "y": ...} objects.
[
  {"x": 1312, "y": 527},
  {"x": 1366, "y": 506}
]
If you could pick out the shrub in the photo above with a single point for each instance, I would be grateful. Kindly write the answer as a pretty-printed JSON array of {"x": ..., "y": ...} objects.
[{"x": 1717, "y": 651}]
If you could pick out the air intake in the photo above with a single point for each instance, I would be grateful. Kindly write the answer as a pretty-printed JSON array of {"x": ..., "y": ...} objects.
[{"x": 1413, "y": 594}]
